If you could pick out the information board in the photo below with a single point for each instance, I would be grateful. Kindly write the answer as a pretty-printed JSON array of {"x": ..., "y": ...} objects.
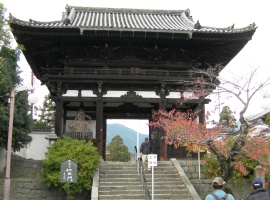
[{"x": 68, "y": 171}]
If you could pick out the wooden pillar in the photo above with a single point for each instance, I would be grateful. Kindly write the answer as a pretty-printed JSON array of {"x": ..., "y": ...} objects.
[
  {"x": 64, "y": 118},
  {"x": 155, "y": 140},
  {"x": 99, "y": 122},
  {"x": 162, "y": 106},
  {"x": 59, "y": 117},
  {"x": 201, "y": 107},
  {"x": 104, "y": 138}
]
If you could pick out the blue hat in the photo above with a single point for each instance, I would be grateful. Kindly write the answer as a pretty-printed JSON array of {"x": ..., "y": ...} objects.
[{"x": 257, "y": 183}]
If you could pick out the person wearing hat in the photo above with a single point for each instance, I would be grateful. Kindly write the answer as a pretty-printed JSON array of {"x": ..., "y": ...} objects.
[
  {"x": 218, "y": 185},
  {"x": 145, "y": 150},
  {"x": 258, "y": 192}
]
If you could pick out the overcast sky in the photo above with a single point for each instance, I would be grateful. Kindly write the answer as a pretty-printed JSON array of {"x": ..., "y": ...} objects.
[{"x": 209, "y": 12}]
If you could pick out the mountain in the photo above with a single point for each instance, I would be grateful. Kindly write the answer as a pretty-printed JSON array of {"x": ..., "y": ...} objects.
[{"x": 128, "y": 135}]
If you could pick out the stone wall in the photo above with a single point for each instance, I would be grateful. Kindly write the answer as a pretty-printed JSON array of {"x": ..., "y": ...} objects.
[
  {"x": 25, "y": 182},
  {"x": 203, "y": 185}
]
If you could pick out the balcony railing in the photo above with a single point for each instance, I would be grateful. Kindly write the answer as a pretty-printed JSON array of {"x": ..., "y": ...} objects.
[
  {"x": 115, "y": 72},
  {"x": 80, "y": 135}
]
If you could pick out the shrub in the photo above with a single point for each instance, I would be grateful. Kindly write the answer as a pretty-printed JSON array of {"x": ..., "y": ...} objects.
[{"x": 83, "y": 153}]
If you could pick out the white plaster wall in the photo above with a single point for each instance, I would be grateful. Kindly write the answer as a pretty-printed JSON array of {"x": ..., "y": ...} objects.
[{"x": 37, "y": 148}]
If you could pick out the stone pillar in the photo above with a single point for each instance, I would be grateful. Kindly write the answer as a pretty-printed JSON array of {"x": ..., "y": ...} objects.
[
  {"x": 59, "y": 112},
  {"x": 99, "y": 121}
]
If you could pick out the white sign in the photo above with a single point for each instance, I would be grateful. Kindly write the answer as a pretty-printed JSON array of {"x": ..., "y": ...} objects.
[{"x": 152, "y": 160}]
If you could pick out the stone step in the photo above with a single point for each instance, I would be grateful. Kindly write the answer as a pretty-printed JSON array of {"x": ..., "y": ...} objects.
[
  {"x": 119, "y": 187},
  {"x": 141, "y": 196},
  {"x": 124, "y": 175},
  {"x": 164, "y": 180},
  {"x": 106, "y": 163},
  {"x": 116, "y": 180},
  {"x": 120, "y": 196},
  {"x": 171, "y": 191},
  {"x": 167, "y": 186},
  {"x": 168, "y": 174},
  {"x": 139, "y": 187},
  {"x": 162, "y": 170},
  {"x": 113, "y": 171},
  {"x": 119, "y": 176},
  {"x": 119, "y": 183},
  {"x": 123, "y": 192}
]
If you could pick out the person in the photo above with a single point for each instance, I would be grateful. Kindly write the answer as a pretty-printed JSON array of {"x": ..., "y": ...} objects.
[
  {"x": 218, "y": 185},
  {"x": 145, "y": 150},
  {"x": 258, "y": 192}
]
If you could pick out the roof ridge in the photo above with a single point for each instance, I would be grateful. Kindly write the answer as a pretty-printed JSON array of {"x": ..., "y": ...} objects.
[{"x": 135, "y": 10}]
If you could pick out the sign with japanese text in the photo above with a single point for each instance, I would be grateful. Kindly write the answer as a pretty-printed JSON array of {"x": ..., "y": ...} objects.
[
  {"x": 68, "y": 171},
  {"x": 152, "y": 160}
]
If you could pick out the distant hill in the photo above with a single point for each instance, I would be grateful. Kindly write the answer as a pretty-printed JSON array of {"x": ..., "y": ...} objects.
[{"x": 128, "y": 135}]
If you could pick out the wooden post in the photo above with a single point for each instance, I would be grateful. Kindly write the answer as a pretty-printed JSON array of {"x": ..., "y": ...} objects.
[
  {"x": 59, "y": 117},
  {"x": 99, "y": 121},
  {"x": 201, "y": 107},
  {"x": 163, "y": 144}
]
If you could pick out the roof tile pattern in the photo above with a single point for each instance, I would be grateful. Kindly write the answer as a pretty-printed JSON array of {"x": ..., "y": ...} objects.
[{"x": 128, "y": 20}]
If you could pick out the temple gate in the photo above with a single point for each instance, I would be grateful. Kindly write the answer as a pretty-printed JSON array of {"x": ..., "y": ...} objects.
[{"x": 96, "y": 51}]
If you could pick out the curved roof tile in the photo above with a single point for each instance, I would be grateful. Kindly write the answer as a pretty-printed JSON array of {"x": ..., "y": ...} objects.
[{"x": 129, "y": 19}]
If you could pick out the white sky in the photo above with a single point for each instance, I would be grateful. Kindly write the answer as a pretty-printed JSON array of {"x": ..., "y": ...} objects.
[{"x": 209, "y": 12}]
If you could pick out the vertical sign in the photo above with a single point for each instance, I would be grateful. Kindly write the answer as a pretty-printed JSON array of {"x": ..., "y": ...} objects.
[
  {"x": 152, "y": 160},
  {"x": 68, "y": 171}
]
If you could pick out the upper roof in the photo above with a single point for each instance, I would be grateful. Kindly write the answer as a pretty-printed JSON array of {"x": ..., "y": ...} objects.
[
  {"x": 87, "y": 18},
  {"x": 88, "y": 37}
]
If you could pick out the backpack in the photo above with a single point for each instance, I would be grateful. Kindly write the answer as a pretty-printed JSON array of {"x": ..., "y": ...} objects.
[{"x": 216, "y": 197}]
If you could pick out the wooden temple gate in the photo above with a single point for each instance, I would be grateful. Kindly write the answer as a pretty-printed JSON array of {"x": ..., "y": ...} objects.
[{"x": 105, "y": 50}]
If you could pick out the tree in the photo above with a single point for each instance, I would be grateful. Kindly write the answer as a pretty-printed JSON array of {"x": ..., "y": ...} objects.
[
  {"x": 9, "y": 77},
  {"x": 227, "y": 119},
  {"x": 82, "y": 152},
  {"x": 47, "y": 113},
  {"x": 118, "y": 151},
  {"x": 228, "y": 151}
]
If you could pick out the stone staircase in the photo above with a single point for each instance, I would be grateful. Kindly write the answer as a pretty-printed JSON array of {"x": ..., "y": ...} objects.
[
  {"x": 167, "y": 182},
  {"x": 120, "y": 180}
]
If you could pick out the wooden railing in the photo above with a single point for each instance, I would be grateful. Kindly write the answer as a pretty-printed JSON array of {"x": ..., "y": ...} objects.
[
  {"x": 80, "y": 135},
  {"x": 115, "y": 72}
]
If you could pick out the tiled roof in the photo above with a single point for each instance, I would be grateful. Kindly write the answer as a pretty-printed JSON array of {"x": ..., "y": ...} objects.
[
  {"x": 258, "y": 115},
  {"x": 87, "y": 18}
]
